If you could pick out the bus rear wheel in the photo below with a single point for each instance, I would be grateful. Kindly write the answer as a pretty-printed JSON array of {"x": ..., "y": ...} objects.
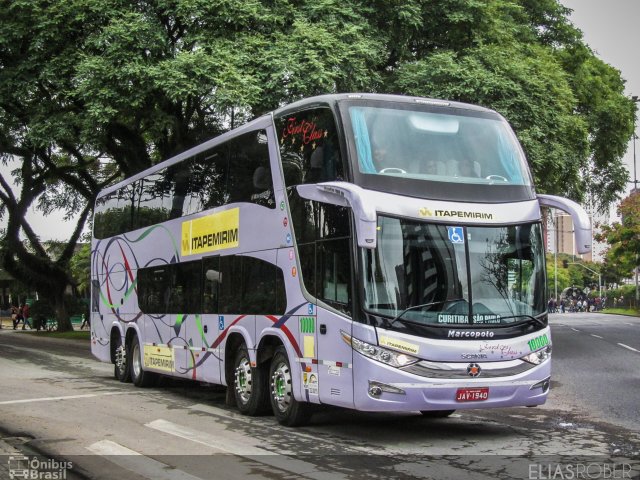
[
  {"x": 249, "y": 384},
  {"x": 121, "y": 367},
  {"x": 287, "y": 410},
  {"x": 139, "y": 377}
]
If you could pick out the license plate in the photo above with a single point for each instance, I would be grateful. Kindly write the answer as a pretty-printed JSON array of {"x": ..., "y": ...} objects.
[{"x": 472, "y": 394}]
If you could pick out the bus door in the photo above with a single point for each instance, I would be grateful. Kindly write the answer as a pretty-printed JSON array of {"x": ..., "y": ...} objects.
[
  {"x": 211, "y": 323},
  {"x": 335, "y": 356}
]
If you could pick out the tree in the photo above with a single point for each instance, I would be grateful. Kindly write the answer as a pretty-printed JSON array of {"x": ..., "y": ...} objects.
[
  {"x": 624, "y": 237},
  {"x": 91, "y": 91}
]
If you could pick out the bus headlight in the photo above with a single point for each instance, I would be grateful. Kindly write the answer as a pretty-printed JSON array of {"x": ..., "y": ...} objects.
[
  {"x": 375, "y": 352},
  {"x": 538, "y": 357}
]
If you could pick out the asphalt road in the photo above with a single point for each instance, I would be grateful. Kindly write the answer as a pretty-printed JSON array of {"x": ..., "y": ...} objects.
[
  {"x": 56, "y": 401},
  {"x": 596, "y": 366}
]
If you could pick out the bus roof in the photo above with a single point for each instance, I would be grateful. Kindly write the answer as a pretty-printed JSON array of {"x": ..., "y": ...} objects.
[
  {"x": 340, "y": 97},
  {"x": 265, "y": 120}
]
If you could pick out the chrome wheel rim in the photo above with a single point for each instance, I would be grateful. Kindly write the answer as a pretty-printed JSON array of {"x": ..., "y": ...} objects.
[
  {"x": 136, "y": 365},
  {"x": 243, "y": 379},
  {"x": 121, "y": 358},
  {"x": 281, "y": 386}
]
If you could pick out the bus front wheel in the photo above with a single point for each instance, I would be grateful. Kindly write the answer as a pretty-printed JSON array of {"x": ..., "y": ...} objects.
[
  {"x": 287, "y": 410},
  {"x": 249, "y": 384}
]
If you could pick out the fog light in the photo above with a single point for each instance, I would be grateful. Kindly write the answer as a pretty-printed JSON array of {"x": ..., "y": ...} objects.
[
  {"x": 544, "y": 385},
  {"x": 376, "y": 389}
]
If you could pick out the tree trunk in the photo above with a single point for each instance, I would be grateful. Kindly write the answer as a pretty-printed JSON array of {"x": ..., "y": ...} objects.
[{"x": 62, "y": 313}]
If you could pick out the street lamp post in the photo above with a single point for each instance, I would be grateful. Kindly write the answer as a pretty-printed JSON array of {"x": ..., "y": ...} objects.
[{"x": 635, "y": 99}]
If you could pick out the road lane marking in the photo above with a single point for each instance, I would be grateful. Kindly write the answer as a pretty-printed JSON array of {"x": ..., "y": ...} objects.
[
  {"x": 575, "y": 329},
  {"x": 219, "y": 412},
  {"x": 137, "y": 463},
  {"x": 66, "y": 397},
  {"x": 237, "y": 444},
  {"x": 226, "y": 443},
  {"x": 628, "y": 347},
  {"x": 594, "y": 335}
]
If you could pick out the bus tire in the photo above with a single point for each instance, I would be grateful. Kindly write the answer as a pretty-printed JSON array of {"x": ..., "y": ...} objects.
[
  {"x": 287, "y": 410},
  {"x": 139, "y": 376},
  {"x": 249, "y": 384},
  {"x": 122, "y": 365},
  {"x": 436, "y": 413}
]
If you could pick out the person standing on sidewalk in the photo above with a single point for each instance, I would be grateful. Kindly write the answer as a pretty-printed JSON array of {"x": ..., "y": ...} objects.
[
  {"x": 16, "y": 315},
  {"x": 26, "y": 313}
]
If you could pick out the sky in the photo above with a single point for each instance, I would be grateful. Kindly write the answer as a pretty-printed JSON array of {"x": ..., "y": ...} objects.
[{"x": 610, "y": 28}]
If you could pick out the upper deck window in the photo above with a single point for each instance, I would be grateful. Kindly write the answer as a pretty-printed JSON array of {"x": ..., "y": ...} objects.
[
  {"x": 397, "y": 147},
  {"x": 309, "y": 147},
  {"x": 436, "y": 146}
]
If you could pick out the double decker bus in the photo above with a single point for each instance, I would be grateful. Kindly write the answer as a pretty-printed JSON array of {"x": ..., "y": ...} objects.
[{"x": 374, "y": 252}]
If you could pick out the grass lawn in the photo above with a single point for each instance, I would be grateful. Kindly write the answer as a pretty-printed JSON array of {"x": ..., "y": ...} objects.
[
  {"x": 75, "y": 335},
  {"x": 623, "y": 311}
]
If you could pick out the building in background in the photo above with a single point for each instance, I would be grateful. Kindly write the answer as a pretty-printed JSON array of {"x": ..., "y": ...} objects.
[{"x": 560, "y": 237}]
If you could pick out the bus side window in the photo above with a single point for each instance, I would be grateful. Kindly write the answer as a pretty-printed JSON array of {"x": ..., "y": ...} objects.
[
  {"x": 186, "y": 288},
  {"x": 208, "y": 180},
  {"x": 308, "y": 140},
  {"x": 250, "y": 171},
  {"x": 105, "y": 207},
  {"x": 230, "y": 293},
  {"x": 212, "y": 281},
  {"x": 128, "y": 197},
  {"x": 170, "y": 288},
  {"x": 153, "y": 289},
  {"x": 259, "y": 291},
  {"x": 178, "y": 178},
  {"x": 323, "y": 236},
  {"x": 334, "y": 271},
  {"x": 151, "y": 206},
  {"x": 307, "y": 256}
]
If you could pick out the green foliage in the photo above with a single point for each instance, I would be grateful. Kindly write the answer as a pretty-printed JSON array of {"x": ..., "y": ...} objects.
[
  {"x": 625, "y": 296},
  {"x": 577, "y": 273},
  {"x": 624, "y": 237},
  {"x": 94, "y": 90},
  {"x": 81, "y": 269}
]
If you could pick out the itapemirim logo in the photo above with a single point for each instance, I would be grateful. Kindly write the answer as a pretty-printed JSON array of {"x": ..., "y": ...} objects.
[{"x": 34, "y": 468}]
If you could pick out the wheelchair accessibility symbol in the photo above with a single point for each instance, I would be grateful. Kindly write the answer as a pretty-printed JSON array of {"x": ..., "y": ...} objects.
[{"x": 456, "y": 234}]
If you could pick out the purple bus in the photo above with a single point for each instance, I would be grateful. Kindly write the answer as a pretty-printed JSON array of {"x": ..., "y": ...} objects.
[{"x": 374, "y": 252}]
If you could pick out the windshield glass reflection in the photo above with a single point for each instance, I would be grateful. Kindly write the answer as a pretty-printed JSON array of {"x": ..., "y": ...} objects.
[
  {"x": 419, "y": 273},
  {"x": 405, "y": 142}
]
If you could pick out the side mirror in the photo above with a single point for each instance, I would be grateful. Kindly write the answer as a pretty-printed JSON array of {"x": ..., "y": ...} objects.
[
  {"x": 346, "y": 195},
  {"x": 581, "y": 222}
]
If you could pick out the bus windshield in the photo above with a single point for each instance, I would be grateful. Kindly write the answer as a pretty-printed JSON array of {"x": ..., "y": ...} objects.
[
  {"x": 443, "y": 275},
  {"x": 459, "y": 146}
]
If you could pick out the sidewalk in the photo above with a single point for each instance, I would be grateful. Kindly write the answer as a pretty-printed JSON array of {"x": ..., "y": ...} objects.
[{"x": 7, "y": 324}]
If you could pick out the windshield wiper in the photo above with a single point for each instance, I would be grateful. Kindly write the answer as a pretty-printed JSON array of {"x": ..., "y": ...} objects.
[
  {"x": 415, "y": 307},
  {"x": 531, "y": 317}
]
